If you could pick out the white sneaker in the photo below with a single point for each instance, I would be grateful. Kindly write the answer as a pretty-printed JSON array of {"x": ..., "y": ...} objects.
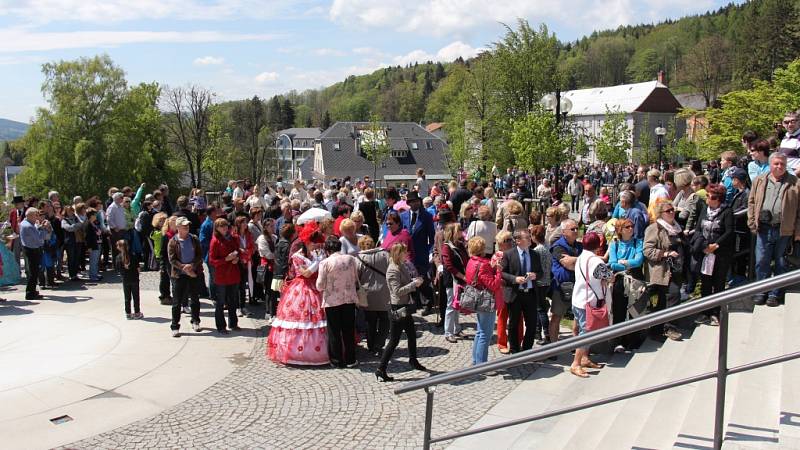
[
  {"x": 196, "y": 327},
  {"x": 187, "y": 310},
  {"x": 138, "y": 315},
  {"x": 619, "y": 349},
  {"x": 176, "y": 333}
]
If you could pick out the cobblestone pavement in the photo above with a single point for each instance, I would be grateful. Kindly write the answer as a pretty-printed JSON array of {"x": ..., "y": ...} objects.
[{"x": 265, "y": 405}]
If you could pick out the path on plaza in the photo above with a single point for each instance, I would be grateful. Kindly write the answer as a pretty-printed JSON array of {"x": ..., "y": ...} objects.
[{"x": 130, "y": 384}]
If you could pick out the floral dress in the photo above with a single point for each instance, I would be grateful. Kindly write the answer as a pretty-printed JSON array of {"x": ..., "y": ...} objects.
[{"x": 299, "y": 330}]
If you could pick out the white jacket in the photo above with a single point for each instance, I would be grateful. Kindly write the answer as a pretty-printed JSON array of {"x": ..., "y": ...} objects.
[{"x": 598, "y": 273}]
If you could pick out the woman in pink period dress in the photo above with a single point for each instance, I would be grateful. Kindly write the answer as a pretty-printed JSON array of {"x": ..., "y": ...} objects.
[{"x": 299, "y": 330}]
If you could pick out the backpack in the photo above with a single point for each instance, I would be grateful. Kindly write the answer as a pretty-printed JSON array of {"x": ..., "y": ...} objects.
[{"x": 156, "y": 236}]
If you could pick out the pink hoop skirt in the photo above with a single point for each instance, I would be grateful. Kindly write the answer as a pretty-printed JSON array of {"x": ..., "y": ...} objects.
[{"x": 299, "y": 330}]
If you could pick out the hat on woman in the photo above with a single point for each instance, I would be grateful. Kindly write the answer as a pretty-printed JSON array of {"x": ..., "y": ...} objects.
[{"x": 311, "y": 234}]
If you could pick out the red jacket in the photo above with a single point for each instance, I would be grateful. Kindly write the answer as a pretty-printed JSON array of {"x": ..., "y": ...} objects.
[
  {"x": 488, "y": 277},
  {"x": 249, "y": 250},
  {"x": 225, "y": 272}
]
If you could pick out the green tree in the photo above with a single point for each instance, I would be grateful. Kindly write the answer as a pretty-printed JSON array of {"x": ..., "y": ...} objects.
[
  {"x": 374, "y": 143},
  {"x": 606, "y": 61},
  {"x": 614, "y": 142},
  {"x": 536, "y": 141},
  {"x": 644, "y": 66},
  {"x": 756, "y": 109},
  {"x": 326, "y": 121},
  {"x": 222, "y": 159},
  {"x": 448, "y": 92},
  {"x": 287, "y": 114},
  {"x": 706, "y": 67},
  {"x": 526, "y": 63},
  {"x": 250, "y": 133},
  {"x": 96, "y": 132}
]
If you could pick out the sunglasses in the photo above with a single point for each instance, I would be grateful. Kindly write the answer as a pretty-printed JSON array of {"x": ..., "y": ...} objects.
[
  {"x": 668, "y": 211},
  {"x": 787, "y": 122},
  {"x": 508, "y": 241},
  {"x": 627, "y": 227}
]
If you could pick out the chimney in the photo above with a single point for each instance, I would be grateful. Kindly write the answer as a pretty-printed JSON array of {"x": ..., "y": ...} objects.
[{"x": 662, "y": 77}]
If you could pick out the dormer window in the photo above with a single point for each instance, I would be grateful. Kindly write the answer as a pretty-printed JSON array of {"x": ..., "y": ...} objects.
[
  {"x": 414, "y": 146},
  {"x": 336, "y": 146},
  {"x": 428, "y": 145},
  {"x": 399, "y": 153}
]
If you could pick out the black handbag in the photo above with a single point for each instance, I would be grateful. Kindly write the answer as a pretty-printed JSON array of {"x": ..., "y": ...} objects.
[
  {"x": 474, "y": 299},
  {"x": 396, "y": 315},
  {"x": 261, "y": 273}
]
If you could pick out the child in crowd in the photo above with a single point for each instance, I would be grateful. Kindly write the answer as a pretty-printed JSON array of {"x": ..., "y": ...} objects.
[{"x": 128, "y": 267}]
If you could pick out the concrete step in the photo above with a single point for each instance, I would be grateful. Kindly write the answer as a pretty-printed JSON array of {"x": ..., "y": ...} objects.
[
  {"x": 598, "y": 420},
  {"x": 536, "y": 394},
  {"x": 697, "y": 429},
  {"x": 753, "y": 422},
  {"x": 625, "y": 427},
  {"x": 662, "y": 424},
  {"x": 570, "y": 431},
  {"x": 789, "y": 426}
]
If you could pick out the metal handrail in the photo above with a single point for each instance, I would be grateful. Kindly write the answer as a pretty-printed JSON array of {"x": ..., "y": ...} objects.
[{"x": 722, "y": 300}]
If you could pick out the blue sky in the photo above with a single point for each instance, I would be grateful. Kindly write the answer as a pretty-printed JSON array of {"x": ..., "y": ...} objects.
[{"x": 241, "y": 48}]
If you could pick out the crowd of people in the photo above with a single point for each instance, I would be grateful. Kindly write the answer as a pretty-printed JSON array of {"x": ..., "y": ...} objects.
[{"x": 340, "y": 260}]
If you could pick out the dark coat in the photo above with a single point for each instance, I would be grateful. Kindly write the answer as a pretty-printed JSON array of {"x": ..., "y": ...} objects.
[{"x": 512, "y": 268}]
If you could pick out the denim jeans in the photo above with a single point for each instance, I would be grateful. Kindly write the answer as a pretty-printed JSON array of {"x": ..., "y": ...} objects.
[
  {"x": 483, "y": 337},
  {"x": 94, "y": 264},
  {"x": 771, "y": 247},
  {"x": 451, "y": 326},
  {"x": 227, "y": 300}
]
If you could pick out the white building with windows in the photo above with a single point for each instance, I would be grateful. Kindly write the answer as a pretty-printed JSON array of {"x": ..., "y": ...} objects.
[
  {"x": 293, "y": 146},
  {"x": 645, "y": 105}
]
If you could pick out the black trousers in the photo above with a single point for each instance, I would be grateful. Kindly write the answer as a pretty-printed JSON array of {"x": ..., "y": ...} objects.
[
  {"x": 524, "y": 307},
  {"x": 395, "y": 331},
  {"x": 619, "y": 310},
  {"x": 33, "y": 265},
  {"x": 542, "y": 306},
  {"x": 227, "y": 300},
  {"x": 668, "y": 296},
  {"x": 131, "y": 291},
  {"x": 74, "y": 250},
  {"x": 186, "y": 289},
  {"x": 258, "y": 288},
  {"x": 377, "y": 329},
  {"x": 243, "y": 279},
  {"x": 341, "y": 333},
  {"x": 716, "y": 281},
  {"x": 165, "y": 282}
]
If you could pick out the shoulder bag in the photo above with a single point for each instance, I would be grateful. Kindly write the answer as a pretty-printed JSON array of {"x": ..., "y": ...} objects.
[
  {"x": 474, "y": 299},
  {"x": 596, "y": 316}
]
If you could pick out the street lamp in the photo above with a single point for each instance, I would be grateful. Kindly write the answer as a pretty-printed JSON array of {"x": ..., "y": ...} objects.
[
  {"x": 660, "y": 133},
  {"x": 559, "y": 106}
]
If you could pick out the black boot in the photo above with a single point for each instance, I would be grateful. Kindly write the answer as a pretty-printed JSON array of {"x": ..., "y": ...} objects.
[
  {"x": 416, "y": 365},
  {"x": 382, "y": 376}
]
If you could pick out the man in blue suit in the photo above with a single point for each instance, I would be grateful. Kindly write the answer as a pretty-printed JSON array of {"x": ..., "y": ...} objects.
[{"x": 419, "y": 224}]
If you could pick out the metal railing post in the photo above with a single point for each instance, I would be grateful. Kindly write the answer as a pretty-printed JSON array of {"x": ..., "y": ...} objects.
[
  {"x": 722, "y": 377},
  {"x": 426, "y": 443}
]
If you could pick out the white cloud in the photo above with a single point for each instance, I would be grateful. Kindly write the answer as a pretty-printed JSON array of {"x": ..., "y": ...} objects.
[
  {"x": 460, "y": 17},
  {"x": 20, "y": 40},
  {"x": 208, "y": 61},
  {"x": 328, "y": 52},
  {"x": 445, "y": 54},
  {"x": 104, "y": 11},
  {"x": 266, "y": 77}
]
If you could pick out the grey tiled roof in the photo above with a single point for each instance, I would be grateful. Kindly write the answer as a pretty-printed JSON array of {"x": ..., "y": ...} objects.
[
  {"x": 301, "y": 133},
  {"x": 402, "y": 135}
]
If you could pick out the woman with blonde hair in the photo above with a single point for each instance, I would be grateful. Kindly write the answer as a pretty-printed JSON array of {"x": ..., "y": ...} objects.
[
  {"x": 490, "y": 200},
  {"x": 401, "y": 285},
  {"x": 484, "y": 227},
  {"x": 552, "y": 229},
  {"x": 372, "y": 265},
  {"x": 515, "y": 220},
  {"x": 504, "y": 241},
  {"x": 349, "y": 238}
]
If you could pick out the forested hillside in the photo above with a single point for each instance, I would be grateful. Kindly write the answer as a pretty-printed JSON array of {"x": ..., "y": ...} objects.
[{"x": 710, "y": 54}]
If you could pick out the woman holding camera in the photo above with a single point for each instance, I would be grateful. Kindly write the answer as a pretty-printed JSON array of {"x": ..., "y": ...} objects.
[
  {"x": 664, "y": 244},
  {"x": 401, "y": 285}
]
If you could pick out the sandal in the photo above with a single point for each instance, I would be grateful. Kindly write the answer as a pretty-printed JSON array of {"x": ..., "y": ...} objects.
[
  {"x": 578, "y": 372},
  {"x": 592, "y": 365}
]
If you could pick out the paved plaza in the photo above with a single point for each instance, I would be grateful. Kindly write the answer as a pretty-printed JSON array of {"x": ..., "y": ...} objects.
[{"x": 129, "y": 384}]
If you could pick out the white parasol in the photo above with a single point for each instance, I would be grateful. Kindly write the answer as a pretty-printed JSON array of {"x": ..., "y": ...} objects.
[{"x": 313, "y": 215}]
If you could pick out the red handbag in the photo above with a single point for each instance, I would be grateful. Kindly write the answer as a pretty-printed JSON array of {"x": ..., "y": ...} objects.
[{"x": 596, "y": 316}]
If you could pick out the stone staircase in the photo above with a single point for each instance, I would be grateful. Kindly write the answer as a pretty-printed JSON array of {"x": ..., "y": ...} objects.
[{"x": 762, "y": 409}]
